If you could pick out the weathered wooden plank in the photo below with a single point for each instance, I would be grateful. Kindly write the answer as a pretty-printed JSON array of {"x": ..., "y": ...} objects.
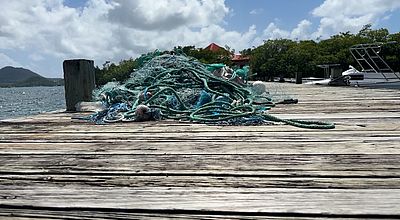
[
  {"x": 260, "y": 200},
  {"x": 380, "y": 138},
  {"x": 221, "y": 181},
  {"x": 57, "y": 119},
  {"x": 25, "y": 213},
  {"x": 200, "y": 147},
  {"x": 261, "y": 165},
  {"x": 88, "y": 129},
  {"x": 391, "y": 124},
  {"x": 195, "y": 134},
  {"x": 188, "y": 138},
  {"x": 150, "y": 132}
]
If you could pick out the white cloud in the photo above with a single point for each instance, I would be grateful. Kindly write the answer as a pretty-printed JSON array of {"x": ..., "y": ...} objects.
[
  {"x": 387, "y": 17},
  {"x": 167, "y": 14},
  {"x": 256, "y": 11},
  {"x": 7, "y": 61},
  {"x": 274, "y": 32},
  {"x": 112, "y": 29},
  {"x": 36, "y": 57},
  {"x": 44, "y": 32},
  {"x": 301, "y": 32},
  {"x": 350, "y": 15},
  {"x": 51, "y": 28},
  {"x": 335, "y": 16}
]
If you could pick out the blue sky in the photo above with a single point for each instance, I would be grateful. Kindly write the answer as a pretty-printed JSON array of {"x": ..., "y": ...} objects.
[
  {"x": 75, "y": 3},
  {"x": 40, "y": 34}
]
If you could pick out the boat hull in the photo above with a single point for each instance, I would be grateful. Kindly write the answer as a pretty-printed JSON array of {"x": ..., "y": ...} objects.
[{"x": 376, "y": 80}]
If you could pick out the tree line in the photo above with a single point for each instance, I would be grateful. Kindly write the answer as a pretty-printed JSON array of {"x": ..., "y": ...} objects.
[
  {"x": 285, "y": 58},
  {"x": 121, "y": 71},
  {"x": 280, "y": 57}
]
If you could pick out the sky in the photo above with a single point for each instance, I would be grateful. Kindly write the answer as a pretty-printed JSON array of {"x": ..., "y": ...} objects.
[{"x": 40, "y": 34}]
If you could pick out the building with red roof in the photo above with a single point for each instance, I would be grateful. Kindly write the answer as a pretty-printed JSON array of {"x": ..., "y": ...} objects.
[
  {"x": 240, "y": 60},
  {"x": 237, "y": 59},
  {"x": 214, "y": 47}
]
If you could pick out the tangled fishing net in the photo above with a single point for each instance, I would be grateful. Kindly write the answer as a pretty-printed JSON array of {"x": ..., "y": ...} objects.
[{"x": 175, "y": 86}]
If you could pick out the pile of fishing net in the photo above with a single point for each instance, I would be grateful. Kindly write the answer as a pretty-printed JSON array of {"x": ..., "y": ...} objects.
[{"x": 178, "y": 87}]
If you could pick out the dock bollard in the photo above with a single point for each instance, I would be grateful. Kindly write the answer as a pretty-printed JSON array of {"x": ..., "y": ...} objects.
[
  {"x": 79, "y": 77},
  {"x": 299, "y": 79}
]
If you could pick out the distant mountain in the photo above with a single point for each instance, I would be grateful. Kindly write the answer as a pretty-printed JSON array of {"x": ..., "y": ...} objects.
[{"x": 18, "y": 77}]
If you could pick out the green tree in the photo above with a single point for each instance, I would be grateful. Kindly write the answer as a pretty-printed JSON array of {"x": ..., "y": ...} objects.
[
  {"x": 246, "y": 52},
  {"x": 118, "y": 72},
  {"x": 301, "y": 59},
  {"x": 379, "y": 35},
  {"x": 281, "y": 57},
  {"x": 206, "y": 56},
  {"x": 391, "y": 51},
  {"x": 270, "y": 59},
  {"x": 284, "y": 57}
]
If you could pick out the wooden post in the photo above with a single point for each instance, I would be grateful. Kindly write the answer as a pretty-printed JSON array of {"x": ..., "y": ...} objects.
[
  {"x": 79, "y": 81},
  {"x": 299, "y": 79}
]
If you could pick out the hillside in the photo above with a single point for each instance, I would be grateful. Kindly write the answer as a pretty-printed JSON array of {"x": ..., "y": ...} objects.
[{"x": 18, "y": 77}]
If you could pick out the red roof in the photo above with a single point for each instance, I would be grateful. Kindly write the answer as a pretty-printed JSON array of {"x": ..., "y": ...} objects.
[
  {"x": 214, "y": 47},
  {"x": 238, "y": 57}
]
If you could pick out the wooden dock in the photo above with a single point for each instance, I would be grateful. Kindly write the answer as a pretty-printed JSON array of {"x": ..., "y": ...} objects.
[{"x": 53, "y": 167}]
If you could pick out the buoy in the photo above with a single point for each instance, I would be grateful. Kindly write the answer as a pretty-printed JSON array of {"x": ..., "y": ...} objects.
[
  {"x": 141, "y": 113},
  {"x": 259, "y": 88}
]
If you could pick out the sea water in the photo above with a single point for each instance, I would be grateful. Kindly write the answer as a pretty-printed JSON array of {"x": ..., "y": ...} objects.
[{"x": 23, "y": 101}]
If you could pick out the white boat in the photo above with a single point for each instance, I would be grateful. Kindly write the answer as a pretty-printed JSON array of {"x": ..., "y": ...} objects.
[
  {"x": 375, "y": 71},
  {"x": 318, "y": 81},
  {"x": 372, "y": 79}
]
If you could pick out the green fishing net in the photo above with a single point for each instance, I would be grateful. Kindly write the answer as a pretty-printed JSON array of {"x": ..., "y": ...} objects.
[{"x": 178, "y": 87}]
